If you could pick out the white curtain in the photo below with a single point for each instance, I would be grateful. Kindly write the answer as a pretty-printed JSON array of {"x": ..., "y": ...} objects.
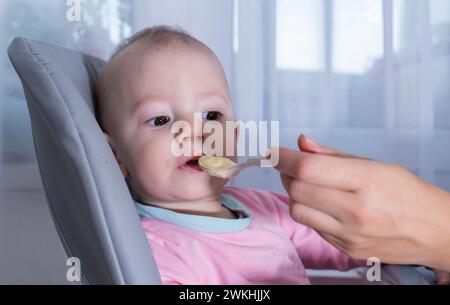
[{"x": 366, "y": 76}]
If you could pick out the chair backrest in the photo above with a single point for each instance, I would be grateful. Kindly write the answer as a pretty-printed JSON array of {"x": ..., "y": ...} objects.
[{"x": 89, "y": 200}]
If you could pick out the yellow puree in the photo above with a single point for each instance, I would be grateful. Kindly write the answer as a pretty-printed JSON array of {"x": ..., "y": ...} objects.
[{"x": 216, "y": 163}]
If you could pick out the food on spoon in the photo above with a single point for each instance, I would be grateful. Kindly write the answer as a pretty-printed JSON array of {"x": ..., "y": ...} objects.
[{"x": 216, "y": 166}]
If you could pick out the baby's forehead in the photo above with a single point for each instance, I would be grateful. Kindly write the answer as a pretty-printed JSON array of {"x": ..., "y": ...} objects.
[
  {"x": 133, "y": 75},
  {"x": 137, "y": 63},
  {"x": 136, "y": 58},
  {"x": 140, "y": 50}
]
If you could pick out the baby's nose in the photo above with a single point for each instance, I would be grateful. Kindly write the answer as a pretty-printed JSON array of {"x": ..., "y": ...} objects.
[{"x": 192, "y": 131}]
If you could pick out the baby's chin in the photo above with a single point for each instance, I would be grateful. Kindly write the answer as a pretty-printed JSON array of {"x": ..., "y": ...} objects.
[
  {"x": 182, "y": 189},
  {"x": 198, "y": 189}
]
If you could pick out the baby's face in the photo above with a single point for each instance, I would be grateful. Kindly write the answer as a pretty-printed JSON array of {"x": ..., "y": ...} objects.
[{"x": 153, "y": 90}]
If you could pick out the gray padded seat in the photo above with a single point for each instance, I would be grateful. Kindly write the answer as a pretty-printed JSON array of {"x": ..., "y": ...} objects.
[{"x": 89, "y": 200}]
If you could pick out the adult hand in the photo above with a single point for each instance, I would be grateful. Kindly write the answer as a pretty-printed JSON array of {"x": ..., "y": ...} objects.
[{"x": 367, "y": 208}]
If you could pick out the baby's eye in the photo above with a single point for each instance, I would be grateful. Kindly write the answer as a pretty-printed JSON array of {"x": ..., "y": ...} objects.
[
  {"x": 211, "y": 115},
  {"x": 159, "y": 120}
]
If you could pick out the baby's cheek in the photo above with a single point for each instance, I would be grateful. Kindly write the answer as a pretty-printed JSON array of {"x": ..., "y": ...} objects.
[
  {"x": 151, "y": 166},
  {"x": 153, "y": 177},
  {"x": 155, "y": 166}
]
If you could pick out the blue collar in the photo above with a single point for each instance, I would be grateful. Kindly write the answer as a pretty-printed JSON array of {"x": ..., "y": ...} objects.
[{"x": 206, "y": 224}]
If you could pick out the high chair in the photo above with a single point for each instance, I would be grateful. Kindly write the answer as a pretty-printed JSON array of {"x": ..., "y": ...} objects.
[{"x": 89, "y": 200}]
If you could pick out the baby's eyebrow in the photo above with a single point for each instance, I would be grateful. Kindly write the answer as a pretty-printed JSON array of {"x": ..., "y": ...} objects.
[
  {"x": 162, "y": 99},
  {"x": 148, "y": 99},
  {"x": 213, "y": 94}
]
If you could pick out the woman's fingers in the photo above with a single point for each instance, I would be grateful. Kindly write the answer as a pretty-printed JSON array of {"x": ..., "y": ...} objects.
[
  {"x": 337, "y": 203},
  {"x": 315, "y": 219},
  {"x": 340, "y": 173},
  {"x": 336, "y": 242},
  {"x": 442, "y": 277},
  {"x": 307, "y": 144}
]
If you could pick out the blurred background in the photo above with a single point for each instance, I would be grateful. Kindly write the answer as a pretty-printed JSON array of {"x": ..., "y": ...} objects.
[{"x": 370, "y": 77}]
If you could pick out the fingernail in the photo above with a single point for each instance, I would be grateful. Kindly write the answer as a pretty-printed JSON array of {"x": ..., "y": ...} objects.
[{"x": 312, "y": 142}]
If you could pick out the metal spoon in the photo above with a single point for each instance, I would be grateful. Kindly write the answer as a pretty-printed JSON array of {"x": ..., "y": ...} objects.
[{"x": 229, "y": 168}]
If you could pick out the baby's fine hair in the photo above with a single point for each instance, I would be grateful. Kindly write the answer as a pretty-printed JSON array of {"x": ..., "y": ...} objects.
[{"x": 159, "y": 37}]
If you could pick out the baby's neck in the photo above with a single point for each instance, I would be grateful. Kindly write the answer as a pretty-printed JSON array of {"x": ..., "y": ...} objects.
[{"x": 211, "y": 207}]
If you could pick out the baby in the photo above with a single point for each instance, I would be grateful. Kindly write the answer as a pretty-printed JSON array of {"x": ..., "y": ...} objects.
[{"x": 200, "y": 231}]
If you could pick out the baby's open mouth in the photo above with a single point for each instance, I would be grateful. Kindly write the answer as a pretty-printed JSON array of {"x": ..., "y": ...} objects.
[{"x": 190, "y": 164}]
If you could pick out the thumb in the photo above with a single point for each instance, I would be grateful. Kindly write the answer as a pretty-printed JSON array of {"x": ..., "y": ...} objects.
[{"x": 307, "y": 144}]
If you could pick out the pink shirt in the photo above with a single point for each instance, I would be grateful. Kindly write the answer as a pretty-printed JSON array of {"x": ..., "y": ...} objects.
[{"x": 265, "y": 246}]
